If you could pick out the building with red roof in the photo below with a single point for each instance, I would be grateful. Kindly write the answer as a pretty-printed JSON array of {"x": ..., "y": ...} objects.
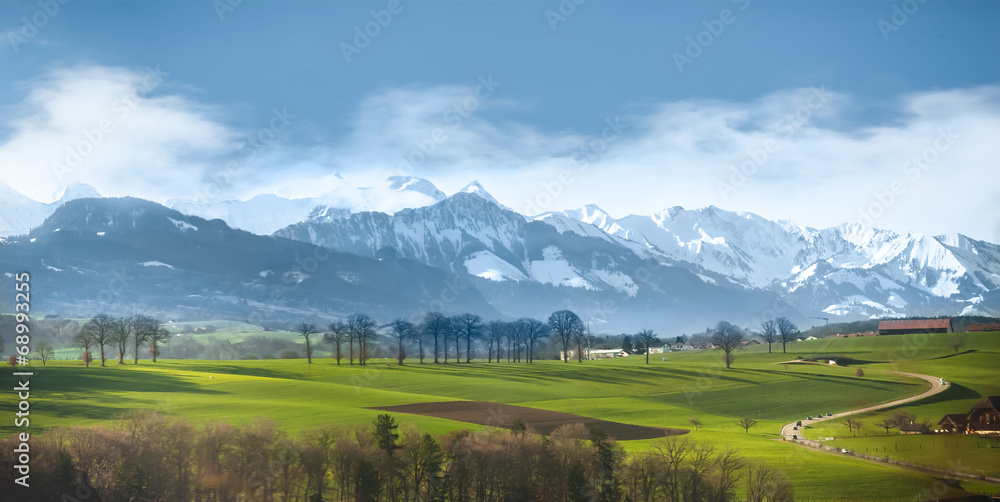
[{"x": 908, "y": 326}]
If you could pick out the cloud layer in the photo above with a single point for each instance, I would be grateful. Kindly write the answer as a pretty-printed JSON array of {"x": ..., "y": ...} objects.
[{"x": 796, "y": 154}]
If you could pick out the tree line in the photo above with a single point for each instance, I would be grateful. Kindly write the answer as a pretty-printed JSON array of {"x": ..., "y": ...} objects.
[
  {"x": 121, "y": 333},
  {"x": 144, "y": 456},
  {"x": 438, "y": 337}
]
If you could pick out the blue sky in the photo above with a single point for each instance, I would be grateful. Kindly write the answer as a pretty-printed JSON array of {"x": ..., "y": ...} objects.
[{"x": 562, "y": 74}]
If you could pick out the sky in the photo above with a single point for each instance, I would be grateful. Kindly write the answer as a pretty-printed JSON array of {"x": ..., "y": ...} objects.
[{"x": 818, "y": 112}]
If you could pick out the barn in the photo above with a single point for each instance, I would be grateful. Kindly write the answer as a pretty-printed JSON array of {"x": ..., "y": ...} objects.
[
  {"x": 983, "y": 327},
  {"x": 954, "y": 422},
  {"x": 907, "y": 326}
]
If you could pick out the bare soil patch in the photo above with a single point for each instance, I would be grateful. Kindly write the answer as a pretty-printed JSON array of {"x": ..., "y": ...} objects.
[{"x": 542, "y": 421}]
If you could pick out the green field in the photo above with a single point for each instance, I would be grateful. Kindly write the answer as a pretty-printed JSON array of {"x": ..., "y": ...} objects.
[{"x": 300, "y": 396}]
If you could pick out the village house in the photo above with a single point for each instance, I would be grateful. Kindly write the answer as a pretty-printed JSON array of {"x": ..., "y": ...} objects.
[
  {"x": 912, "y": 428},
  {"x": 983, "y": 418},
  {"x": 954, "y": 422}
]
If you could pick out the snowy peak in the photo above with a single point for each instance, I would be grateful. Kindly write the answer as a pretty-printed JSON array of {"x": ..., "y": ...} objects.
[
  {"x": 76, "y": 191},
  {"x": 267, "y": 213},
  {"x": 414, "y": 184},
  {"x": 477, "y": 189},
  {"x": 20, "y": 213}
]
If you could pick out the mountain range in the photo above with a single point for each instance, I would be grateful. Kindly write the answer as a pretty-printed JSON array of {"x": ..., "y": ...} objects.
[{"x": 675, "y": 270}]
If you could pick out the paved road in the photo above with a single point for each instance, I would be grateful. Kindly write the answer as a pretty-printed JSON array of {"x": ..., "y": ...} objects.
[{"x": 936, "y": 387}]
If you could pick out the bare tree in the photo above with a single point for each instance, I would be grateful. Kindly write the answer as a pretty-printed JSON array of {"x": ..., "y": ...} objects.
[
  {"x": 886, "y": 424},
  {"x": 469, "y": 326},
  {"x": 436, "y": 326},
  {"x": 100, "y": 329},
  {"x": 578, "y": 338},
  {"x": 764, "y": 483},
  {"x": 851, "y": 424},
  {"x": 902, "y": 417},
  {"x": 495, "y": 332},
  {"x": 787, "y": 331},
  {"x": 148, "y": 330},
  {"x": 728, "y": 338},
  {"x": 84, "y": 339},
  {"x": 307, "y": 330},
  {"x": 647, "y": 338},
  {"x": 956, "y": 342},
  {"x": 695, "y": 421},
  {"x": 121, "y": 334},
  {"x": 144, "y": 329},
  {"x": 746, "y": 423},
  {"x": 44, "y": 352},
  {"x": 769, "y": 333},
  {"x": 534, "y": 331},
  {"x": 362, "y": 329},
  {"x": 337, "y": 334},
  {"x": 401, "y": 330},
  {"x": 565, "y": 324}
]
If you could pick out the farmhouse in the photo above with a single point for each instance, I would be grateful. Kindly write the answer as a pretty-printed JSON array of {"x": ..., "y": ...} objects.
[
  {"x": 905, "y": 326},
  {"x": 983, "y": 327},
  {"x": 984, "y": 418},
  {"x": 912, "y": 428},
  {"x": 953, "y": 423},
  {"x": 606, "y": 353}
]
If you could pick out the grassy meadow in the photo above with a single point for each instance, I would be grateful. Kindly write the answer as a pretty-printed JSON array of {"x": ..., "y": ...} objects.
[{"x": 300, "y": 396}]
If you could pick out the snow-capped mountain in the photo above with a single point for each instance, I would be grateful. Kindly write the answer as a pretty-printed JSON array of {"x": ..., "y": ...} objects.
[
  {"x": 691, "y": 266},
  {"x": 526, "y": 266},
  {"x": 124, "y": 254},
  {"x": 19, "y": 213},
  {"x": 266, "y": 213},
  {"x": 851, "y": 270}
]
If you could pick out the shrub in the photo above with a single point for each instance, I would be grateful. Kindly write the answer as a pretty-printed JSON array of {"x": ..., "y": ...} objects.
[{"x": 289, "y": 354}]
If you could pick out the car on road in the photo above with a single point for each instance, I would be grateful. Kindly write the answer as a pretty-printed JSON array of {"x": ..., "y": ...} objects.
[{"x": 829, "y": 414}]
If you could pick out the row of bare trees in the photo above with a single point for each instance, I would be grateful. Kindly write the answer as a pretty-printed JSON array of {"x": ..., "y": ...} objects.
[
  {"x": 446, "y": 335},
  {"x": 122, "y": 333},
  {"x": 144, "y": 456}
]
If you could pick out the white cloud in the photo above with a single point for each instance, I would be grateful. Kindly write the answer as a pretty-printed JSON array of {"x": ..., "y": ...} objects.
[
  {"x": 110, "y": 128},
  {"x": 826, "y": 168}
]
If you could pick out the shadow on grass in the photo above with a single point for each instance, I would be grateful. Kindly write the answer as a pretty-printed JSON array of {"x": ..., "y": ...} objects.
[
  {"x": 95, "y": 381},
  {"x": 234, "y": 369},
  {"x": 853, "y": 380},
  {"x": 964, "y": 352}
]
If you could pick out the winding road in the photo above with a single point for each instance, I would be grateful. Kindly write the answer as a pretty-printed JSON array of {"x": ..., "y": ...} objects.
[{"x": 936, "y": 387}]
